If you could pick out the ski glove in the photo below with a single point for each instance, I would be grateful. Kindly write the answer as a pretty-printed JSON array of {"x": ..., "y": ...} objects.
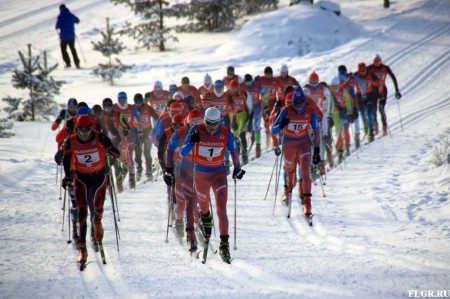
[
  {"x": 169, "y": 178},
  {"x": 355, "y": 113},
  {"x": 277, "y": 150},
  {"x": 284, "y": 122},
  {"x": 398, "y": 96},
  {"x": 66, "y": 182},
  {"x": 195, "y": 137},
  {"x": 125, "y": 133},
  {"x": 59, "y": 157},
  {"x": 330, "y": 122},
  {"x": 238, "y": 173},
  {"x": 316, "y": 156}
]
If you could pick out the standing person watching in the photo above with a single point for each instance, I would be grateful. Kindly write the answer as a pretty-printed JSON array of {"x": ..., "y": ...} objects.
[{"x": 65, "y": 23}]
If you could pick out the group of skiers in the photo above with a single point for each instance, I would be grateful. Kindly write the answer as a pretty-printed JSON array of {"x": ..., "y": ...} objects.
[{"x": 196, "y": 130}]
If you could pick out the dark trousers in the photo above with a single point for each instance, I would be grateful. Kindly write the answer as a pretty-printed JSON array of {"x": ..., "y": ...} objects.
[{"x": 65, "y": 55}]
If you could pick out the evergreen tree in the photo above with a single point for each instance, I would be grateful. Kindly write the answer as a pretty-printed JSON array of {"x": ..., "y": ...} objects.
[
  {"x": 5, "y": 128},
  {"x": 254, "y": 6},
  {"x": 211, "y": 16},
  {"x": 41, "y": 89},
  {"x": 153, "y": 32},
  {"x": 110, "y": 46}
]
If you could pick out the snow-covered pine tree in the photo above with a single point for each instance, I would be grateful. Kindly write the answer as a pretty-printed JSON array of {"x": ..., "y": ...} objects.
[
  {"x": 5, "y": 128},
  {"x": 254, "y": 6},
  {"x": 110, "y": 46},
  {"x": 41, "y": 89},
  {"x": 211, "y": 16},
  {"x": 153, "y": 32}
]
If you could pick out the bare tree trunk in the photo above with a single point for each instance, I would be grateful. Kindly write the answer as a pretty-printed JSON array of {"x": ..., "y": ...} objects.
[
  {"x": 161, "y": 26},
  {"x": 386, "y": 3},
  {"x": 111, "y": 79}
]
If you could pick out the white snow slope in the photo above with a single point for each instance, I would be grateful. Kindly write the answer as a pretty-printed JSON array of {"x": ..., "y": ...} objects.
[{"x": 382, "y": 231}]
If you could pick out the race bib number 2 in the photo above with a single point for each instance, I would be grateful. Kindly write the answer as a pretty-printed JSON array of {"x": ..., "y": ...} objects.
[{"x": 88, "y": 159}]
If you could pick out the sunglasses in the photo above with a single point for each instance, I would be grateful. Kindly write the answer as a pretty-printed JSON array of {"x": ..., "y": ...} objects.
[
  {"x": 84, "y": 129},
  {"x": 211, "y": 123}
]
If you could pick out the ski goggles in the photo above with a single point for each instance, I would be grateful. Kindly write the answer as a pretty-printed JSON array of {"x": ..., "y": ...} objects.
[
  {"x": 85, "y": 129},
  {"x": 211, "y": 123}
]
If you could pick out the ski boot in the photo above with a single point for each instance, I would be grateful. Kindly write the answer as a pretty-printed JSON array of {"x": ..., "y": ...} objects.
[
  {"x": 307, "y": 206},
  {"x": 322, "y": 167},
  {"x": 371, "y": 136},
  {"x": 149, "y": 175},
  {"x": 258, "y": 150},
  {"x": 227, "y": 167},
  {"x": 138, "y": 173},
  {"x": 340, "y": 156},
  {"x": 347, "y": 150},
  {"x": 179, "y": 226},
  {"x": 224, "y": 249},
  {"x": 191, "y": 240},
  {"x": 206, "y": 225},
  {"x": 82, "y": 253},
  {"x": 132, "y": 180},
  {"x": 385, "y": 132},
  {"x": 286, "y": 195}
]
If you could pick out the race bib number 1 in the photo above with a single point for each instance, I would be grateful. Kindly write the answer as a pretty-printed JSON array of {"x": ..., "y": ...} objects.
[{"x": 210, "y": 152}]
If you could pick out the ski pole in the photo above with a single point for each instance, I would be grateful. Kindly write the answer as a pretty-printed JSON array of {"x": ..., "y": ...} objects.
[
  {"x": 114, "y": 216},
  {"x": 81, "y": 49},
  {"x": 278, "y": 178},
  {"x": 321, "y": 183},
  {"x": 235, "y": 215},
  {"x": 111, "y": 182},
  {"x": 169, "y": 210},
  {"x": 64, "y": 210},
  {"x": 60, "y": 186},
  {"x": 68, "y": 219},
  {"x": 275, "y": 164}
]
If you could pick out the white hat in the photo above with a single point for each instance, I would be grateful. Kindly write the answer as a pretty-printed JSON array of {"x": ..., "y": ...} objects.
[
  {"x": 207, "y": 79},
  {"x": 158, "y": 84},
  {"x": 284, "y": 68}
]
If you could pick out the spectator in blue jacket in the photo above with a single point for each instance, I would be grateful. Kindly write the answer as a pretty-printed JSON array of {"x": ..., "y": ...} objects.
[{"x": 65, "y": 23}]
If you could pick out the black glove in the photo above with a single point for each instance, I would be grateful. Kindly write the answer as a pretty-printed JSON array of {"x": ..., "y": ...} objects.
[
  {"x": 350, "y": 118},
  {"x": 125, "y": 133},
  {"x": 238, "y": 173},
  {"x": 277, "y": 150},
  {"x": 316, "y": 156},
  {"x": 235, "y": 125},
  {"x": 330, "y": 122},
  {"x": 398, "y": 96},
  {"x": 355, "y": 113},
  {"x": 59, "y": 156},
  {"x": 169, "y": 178},
  {"x": 66, "y": 182},
  {"x": 195, "y": 137},
  {"x": 284, "y": 122}
]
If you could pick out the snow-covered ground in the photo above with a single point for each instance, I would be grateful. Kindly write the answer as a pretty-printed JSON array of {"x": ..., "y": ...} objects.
[{"x": 381, "y": 231}]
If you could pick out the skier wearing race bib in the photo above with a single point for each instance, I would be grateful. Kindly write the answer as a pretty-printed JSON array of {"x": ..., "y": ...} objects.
[
  {"x": 297, "y": 121},
  {"x": 208, "y": 142}
]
